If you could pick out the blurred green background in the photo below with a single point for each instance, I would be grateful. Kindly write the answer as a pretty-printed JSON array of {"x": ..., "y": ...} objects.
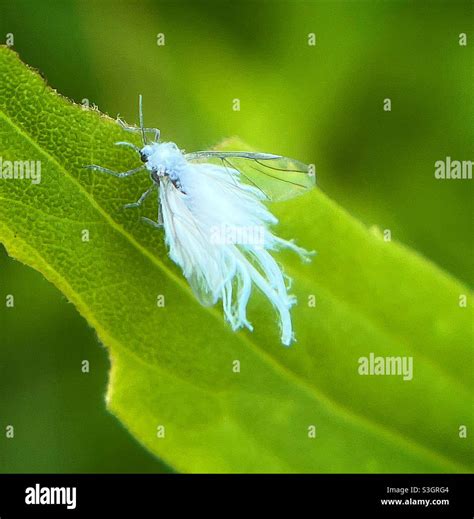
[{"x": 321, "y": 104}]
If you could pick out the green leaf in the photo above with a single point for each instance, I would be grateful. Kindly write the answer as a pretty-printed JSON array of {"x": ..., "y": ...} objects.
[{"x": 173, "y": 365}]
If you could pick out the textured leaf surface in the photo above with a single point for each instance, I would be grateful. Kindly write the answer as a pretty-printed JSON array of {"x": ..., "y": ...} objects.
[{"x": 172, "y": 366}]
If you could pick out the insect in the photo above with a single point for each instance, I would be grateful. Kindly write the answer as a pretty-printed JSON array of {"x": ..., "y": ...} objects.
[{"x": 211, "y": 206}]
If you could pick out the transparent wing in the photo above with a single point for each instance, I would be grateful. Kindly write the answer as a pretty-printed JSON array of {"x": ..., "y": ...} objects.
[
  {"x": 201, "y": 290},
  {"x": 277, "y": 177}
]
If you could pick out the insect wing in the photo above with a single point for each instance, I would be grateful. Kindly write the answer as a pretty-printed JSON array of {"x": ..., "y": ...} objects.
[
  {"x": 201, "y": 290},
  {"x": 278, "y": 178}
]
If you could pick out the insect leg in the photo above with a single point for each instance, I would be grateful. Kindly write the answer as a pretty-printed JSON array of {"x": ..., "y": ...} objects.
[
  {"x": 154, "y": 224},
  {"x": 140, "y": 201},
  {"x": 128, "y": 145},
  {"x": 160, "y": 214},
  {"x": 115, "y": 173},
  {"x": 159, "y": 223},
  {"x": 134, "y": 129}
]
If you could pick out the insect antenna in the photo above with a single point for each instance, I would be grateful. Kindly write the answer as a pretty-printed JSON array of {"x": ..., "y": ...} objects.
[{"x": 142, "y": 127}]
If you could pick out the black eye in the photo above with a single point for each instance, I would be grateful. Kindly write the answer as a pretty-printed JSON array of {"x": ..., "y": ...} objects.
[{"x": 143, "y": 157}]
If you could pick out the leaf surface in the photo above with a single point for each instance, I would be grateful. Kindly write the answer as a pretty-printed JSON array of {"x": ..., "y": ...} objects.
[{"x": 172, "y": 366}]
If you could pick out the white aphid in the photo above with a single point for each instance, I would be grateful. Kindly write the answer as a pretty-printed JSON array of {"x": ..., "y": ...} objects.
[{"x": 217, "y": 228}]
